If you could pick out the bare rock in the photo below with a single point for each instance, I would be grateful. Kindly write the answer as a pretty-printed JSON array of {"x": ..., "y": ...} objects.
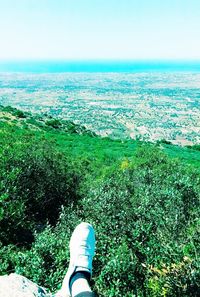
[{"x": 15, "y": 285}]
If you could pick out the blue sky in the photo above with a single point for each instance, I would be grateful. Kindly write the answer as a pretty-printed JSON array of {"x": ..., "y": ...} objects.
[{"x": 99, "y": 29}]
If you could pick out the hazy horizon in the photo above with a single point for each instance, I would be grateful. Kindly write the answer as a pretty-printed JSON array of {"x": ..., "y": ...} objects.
[{"x": 130, "y": 66}]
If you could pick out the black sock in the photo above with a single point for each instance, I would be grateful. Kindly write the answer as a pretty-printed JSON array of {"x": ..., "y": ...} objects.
[{"x": 79, "y": 274}]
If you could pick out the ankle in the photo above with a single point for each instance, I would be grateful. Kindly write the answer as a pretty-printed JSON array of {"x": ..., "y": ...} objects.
[
  {"x": 79, "y": 274},
  {"x": 79, "y": 283}
]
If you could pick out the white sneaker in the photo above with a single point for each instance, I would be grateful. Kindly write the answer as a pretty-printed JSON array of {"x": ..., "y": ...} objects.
[{"x": 82, "y": 249}]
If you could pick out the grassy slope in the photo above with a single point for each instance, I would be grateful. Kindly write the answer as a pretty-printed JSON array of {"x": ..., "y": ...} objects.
[
  {"x": 151, "y": 206},
  {"x": 83, "y": 144}
]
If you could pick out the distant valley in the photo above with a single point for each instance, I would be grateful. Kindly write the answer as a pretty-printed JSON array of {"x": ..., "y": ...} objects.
[{"x": 148, "y": 106}]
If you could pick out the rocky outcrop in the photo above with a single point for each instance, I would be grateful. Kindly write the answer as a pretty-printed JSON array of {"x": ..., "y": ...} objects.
[{"x": 15, "y": 285}]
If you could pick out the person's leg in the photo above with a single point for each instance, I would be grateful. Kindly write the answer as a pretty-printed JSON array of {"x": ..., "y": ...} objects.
[
  {"x": 82, "y": 248},
  {"x": 81, "y": 288}
]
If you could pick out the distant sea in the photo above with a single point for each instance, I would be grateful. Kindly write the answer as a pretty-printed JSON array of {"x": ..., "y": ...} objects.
[{"x": 98, "y": 66}]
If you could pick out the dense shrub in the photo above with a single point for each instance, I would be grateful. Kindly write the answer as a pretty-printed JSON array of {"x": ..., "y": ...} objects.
[
  {"x": 145, "y": 210},
  {"x": 36, "y": 181},
  {"x": 55, "y": 123},
  {"x": 14, "y": 111}
]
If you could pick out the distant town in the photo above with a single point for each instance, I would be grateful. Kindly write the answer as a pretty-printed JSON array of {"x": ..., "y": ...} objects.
[{"x": 148, "y": 106}]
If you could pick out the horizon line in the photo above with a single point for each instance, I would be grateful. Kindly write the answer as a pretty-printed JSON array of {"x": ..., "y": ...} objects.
[{"x": 99, "y": 60}]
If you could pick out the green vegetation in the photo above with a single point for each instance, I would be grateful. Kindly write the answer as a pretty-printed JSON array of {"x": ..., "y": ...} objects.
[{"x": 143, "y": 200}]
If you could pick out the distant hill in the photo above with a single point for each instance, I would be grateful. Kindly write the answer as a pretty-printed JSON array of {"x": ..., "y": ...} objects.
[
  {"x": 23, "y": 119},
  {"x": 89, "y": 143}
]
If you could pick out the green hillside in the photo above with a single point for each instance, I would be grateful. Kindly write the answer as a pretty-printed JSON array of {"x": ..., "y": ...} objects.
[{"x": 143, "y": 200}]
